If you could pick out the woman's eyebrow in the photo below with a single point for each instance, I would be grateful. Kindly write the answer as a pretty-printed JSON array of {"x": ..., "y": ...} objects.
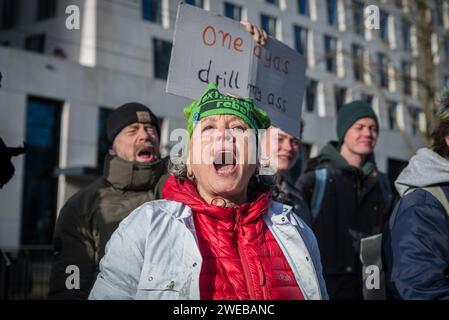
[{"x": 210, "y": 119}]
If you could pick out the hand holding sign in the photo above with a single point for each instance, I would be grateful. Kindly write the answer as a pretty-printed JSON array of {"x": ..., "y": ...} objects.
[
  {"x": 259, "y": 35},
  {"x": 210, "y": 48}
]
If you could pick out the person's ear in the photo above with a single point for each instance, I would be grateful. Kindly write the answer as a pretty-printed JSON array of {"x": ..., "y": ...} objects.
[
  {"x": 447, "y": 140},
  {"x": 112, "y": 152}
]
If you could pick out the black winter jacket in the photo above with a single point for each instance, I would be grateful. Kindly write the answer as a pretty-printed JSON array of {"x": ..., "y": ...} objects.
[{"x": 354, "y": 206}]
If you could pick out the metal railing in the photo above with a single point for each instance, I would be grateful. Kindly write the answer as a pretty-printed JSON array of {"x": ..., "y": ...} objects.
[{"x": 25, "y": 272}]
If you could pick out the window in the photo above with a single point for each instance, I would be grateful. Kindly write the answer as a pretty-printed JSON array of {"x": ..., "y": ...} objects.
[
  {"x": 300, "y": 40},
  {"x": 303, "y": 7},
  {"x": 392, "y": 115},
  {"x": 152, "y": 10},
  {"x": 357, "y": 60},
  {"x": 368, "y": 98},
  {"x": 398, "y": 3},
  {"x": 406, "y": 38},
  {"x": 358, "y": 17},
  {"x": 330, "y": 49},
  {"x": 269, "y": 24},
  {"x": 340, "y": 97},
  {"x": 233, "y": 11},
  {"x": 273, "y": 2},
  {"x": 414, "y": 120},
  {"x": 332, "y": 14},
  {"x": 311, "y": 95},
  {"x": 43, "y": 121},
  {"x": 407, "y": 77},
  {"x": 198, "y": 3},
  {"x": 439, "y": 12},
  {"x": 35, "y": 43},
  {"x": 162, "y": 54},
  {"x": 384, "y": 26},
  {"x": 446, "y": 81},
  {"x": 9, "y": 13},
  {"x": 46, "y": 9},
  {"x": 103, "y": 145},
  {"x": 446, "y": 49},
  {"x": 382, "y": 70}
]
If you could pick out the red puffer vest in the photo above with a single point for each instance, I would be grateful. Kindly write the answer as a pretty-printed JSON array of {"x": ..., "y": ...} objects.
[{"x": 241, "y": 258}]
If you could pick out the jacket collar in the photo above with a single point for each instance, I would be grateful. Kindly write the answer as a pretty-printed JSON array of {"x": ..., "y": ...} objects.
[
  {"x": 126, "y": 175},
  {"x": 331, "y": 152},
  {"x": 185, "y": 192}
]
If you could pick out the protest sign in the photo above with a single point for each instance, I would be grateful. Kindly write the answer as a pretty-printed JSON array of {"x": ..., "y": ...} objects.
[{"x": 208, "y": 47}]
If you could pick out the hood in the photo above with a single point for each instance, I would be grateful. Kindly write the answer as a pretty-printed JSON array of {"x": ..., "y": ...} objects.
[
  {"x": 331, "y": 153},
  {"x": 126, "y": 175},
  {"x": 185, "y": 192},
  {"x": 426, "y": 168}
]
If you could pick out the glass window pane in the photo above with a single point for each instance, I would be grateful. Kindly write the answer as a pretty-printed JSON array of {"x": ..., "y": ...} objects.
[
  {"x": 162, "y": 54},
  {"x": 357, "y": 58},
  {"x": 384, "y": 26},
  {"x": 35, "y": 43},
  {"x": 392, "y": 114},
  {"x": 303, "y": 7},
  {"x": 103, "y": 145},
  {"x": 311, "y": 95},
  {"x": 46, "y": 9},
  {"x": 406, "y": 39},
  {"x": 268, "y": 24},
  {"x": 330, "y": 46},
  {"x": 43, "y": 119},
  {"x": 358, "y": 15},
  {"x": 198, "y": 3},
  {"x": 233, "y": 11},
  {"x": 152, "y": 10},
  {"x": 10, "y": 13},
  {"x": 340, "y": 97},
  {"x": 332, "y": 12},
  {"x": 300, "y": 34}
]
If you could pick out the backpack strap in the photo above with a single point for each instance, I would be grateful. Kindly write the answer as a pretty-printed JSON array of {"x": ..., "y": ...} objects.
[
  {"x": 318, "y": 192},
  {"x": 438, "y": 193}
]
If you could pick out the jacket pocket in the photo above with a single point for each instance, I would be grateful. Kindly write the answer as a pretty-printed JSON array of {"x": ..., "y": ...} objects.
[{"x": 160, "y": 278}]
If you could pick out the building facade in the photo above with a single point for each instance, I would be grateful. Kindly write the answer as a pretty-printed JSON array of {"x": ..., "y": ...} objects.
[{"x": 60, "y": 83}]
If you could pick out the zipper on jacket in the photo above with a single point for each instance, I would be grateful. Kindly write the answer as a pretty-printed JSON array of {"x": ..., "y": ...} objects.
[
  {"x": 237, "y": 221},
  {"x": 263, "y": 282},
  {"x": 246, "y": 272}
]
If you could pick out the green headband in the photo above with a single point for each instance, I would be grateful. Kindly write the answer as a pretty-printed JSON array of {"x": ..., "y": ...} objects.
[{"x": 213, "y": 102}]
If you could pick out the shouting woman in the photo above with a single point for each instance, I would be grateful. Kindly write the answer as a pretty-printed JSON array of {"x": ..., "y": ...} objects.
[{"x": 216, "y": 234}]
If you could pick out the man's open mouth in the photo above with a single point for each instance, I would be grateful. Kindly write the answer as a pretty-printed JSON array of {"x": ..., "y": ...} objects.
[
  {"x": 145, "y": 154},
  {"x": 225, "y": 163}
]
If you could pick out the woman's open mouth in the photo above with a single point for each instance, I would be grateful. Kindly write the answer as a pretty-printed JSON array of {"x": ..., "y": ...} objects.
[{"x": 225, "y": 163}]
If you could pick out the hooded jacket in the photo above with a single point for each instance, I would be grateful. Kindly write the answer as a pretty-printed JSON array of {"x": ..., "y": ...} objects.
[
  {"x": 158, "y": 252},
  {"x": 354, "y": 206},
  {"x": 416, "y": 241},
  {"x": 88, "y": 219}
]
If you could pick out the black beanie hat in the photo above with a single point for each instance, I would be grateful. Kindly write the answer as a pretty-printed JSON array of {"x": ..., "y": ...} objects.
[
  {"x": 127, "y": 114},
  {"x": 349, "y": 114}
]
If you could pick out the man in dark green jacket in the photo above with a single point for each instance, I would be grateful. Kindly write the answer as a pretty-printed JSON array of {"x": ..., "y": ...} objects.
[
  {"x": 133, "y": 174},
  {"x": 349, "y": 198}
]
